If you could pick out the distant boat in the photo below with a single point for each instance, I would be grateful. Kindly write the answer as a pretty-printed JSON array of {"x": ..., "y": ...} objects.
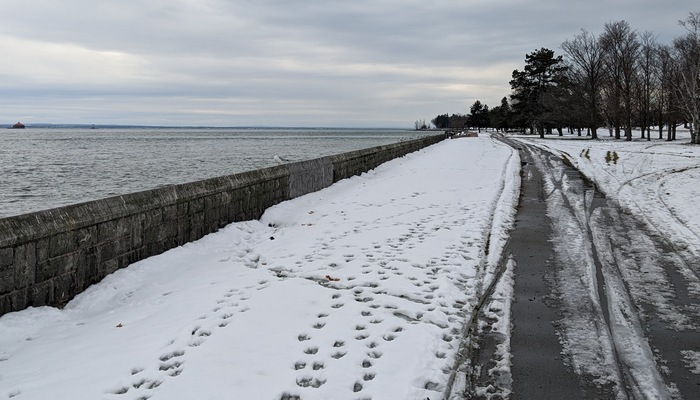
[{"x": 18, "y": 125}]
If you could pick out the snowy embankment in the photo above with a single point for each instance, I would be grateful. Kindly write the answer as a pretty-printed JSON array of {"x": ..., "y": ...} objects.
[{"x": 359, "y": 291}]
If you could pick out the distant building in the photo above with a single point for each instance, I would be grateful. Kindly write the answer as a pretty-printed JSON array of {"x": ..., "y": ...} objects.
[{"x": 18, "y": 125}]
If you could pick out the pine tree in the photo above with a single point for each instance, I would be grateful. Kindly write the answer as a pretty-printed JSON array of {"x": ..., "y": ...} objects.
[{"x": 535, "y": 86}]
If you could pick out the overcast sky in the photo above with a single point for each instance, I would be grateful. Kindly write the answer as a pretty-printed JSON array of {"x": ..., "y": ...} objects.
[{"x": 334, "y": 63}]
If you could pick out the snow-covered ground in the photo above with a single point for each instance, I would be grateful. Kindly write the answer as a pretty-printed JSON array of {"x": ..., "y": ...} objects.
[
  {"x": 359, "y": 291},
  {"x": 656, "y": 180}
]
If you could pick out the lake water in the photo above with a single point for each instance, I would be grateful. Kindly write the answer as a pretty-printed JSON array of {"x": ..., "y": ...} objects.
[{"x": 42, "y": 168}]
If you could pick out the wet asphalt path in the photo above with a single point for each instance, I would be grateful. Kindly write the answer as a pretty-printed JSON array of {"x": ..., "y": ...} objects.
[{"x": 538, "y": 369}]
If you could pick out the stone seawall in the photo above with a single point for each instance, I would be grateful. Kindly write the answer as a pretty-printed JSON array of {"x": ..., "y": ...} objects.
[{"x": 48, "y": 257}]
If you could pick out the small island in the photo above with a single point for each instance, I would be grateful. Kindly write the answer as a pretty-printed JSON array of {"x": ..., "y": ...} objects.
[{"x": 18, "y": 125}]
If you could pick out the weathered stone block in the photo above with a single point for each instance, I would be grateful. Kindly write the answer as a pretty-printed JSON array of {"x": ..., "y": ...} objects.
[
  {"x": 92, "y": 274},
  {"x": 6, "y": 303},
  {"x": 153, "y": 218},
  {"x": 196, "y": 233},
  {"x": 168, "y": 231},
  {"x": 156, "y": 233},
  {"x": 86, "y": 237},
  {"x": 107, "y": 250},
  {"x": 7, "y": 279},
  {"x": 197, "y": 219},
  {"x": 108, "y": 266},
  {"x": 196, "y": 205},
  {"x": 155, "y": 248},
  {"x": 66, "y": 264},
  {"x": 182, "y": 209},
  {"x": 42, "y": 250},
  {"x": 19, "y": 299},
  {"x": 45, "y": 271},
  {"x": 141, "y": 253},
  {"x": 62, "y": 243},
  {"x": 137, "y": 235},
  {"x": 123, "y": 227},
  {"x": 106, "y": 231},
  {"x": 25, "y": 265},
  {"x": 169, "y": 213},
  {"x": 41, "y": 294},
  {"x": 7, "y": 256},
  {"x": 211, "y": 216},
  {"x": 64, "y": 288}
]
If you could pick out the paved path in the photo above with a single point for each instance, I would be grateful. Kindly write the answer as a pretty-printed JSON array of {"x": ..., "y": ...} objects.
[
  {"x": 602, "y": 308},
  {"x": 538, "y": 370}
]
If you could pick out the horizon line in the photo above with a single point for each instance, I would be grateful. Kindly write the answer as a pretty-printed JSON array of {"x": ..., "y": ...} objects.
[{"x": 88, "y": 125}]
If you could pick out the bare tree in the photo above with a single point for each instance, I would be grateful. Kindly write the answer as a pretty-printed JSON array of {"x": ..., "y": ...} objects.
[
  {"x": 585, "y": 54},
  {"x": 621, "y": 47},
  {"x": 421, "y": 125},
  {"x": 686, "y": 54},
  {"x": 646, "y": 81},
  {"x": 665, "y": 69}
]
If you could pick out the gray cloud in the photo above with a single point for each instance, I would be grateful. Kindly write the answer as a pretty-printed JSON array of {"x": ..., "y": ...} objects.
[{"x": 282, "y": 63}]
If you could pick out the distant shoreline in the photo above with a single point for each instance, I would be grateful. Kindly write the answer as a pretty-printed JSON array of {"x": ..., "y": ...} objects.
[{"x": 117, "y": 126}]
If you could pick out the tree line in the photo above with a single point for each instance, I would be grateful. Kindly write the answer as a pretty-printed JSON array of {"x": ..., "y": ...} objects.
[{"x": 618, "y": 80}]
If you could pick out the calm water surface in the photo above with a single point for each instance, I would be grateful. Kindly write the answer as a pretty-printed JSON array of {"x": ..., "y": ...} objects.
[{"x": 42, "y": 168}]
